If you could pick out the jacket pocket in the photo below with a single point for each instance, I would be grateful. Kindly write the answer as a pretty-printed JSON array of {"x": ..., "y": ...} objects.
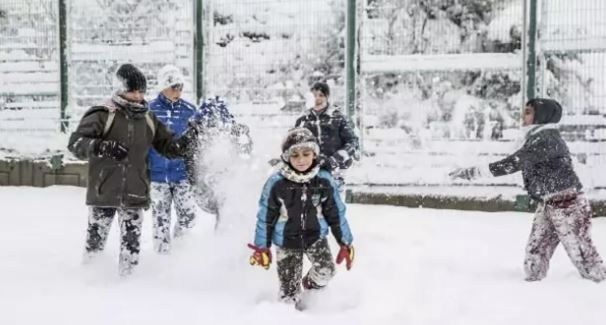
[{"x": 105, "y": 183}]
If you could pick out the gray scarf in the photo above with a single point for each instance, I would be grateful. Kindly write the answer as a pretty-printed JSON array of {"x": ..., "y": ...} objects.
[
  {"x": 132, "y": 108},
  {"x": 292, "y": 175}
]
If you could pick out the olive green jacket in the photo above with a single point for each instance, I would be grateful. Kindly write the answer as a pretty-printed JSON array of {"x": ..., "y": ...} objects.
[{"x": 124, "y": 183}]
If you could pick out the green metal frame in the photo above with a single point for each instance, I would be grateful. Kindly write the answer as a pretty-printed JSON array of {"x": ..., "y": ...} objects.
[
  {"x": 531, "y": 64},
  {"x": 199, "y": 50},
  {"x": 63, "y": 66},
  {"x": 351, "y": 63}
]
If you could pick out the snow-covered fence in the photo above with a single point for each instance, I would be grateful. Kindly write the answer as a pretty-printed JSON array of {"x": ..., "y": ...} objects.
[
  {"x": 572, "y": 61},
  {"x": 100, "y": 36},
  {"x": 441, "y": 86},
  {"x": 29, "y": 64},
  {"x": 441, "y": 82},
  {"x": 104, "y": 34},
  {"x": 272, "y": 51}
]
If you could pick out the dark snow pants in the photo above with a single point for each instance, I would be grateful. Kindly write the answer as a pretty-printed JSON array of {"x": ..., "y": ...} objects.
[
  {"x": 290, "y": 269},
  {"x": 163, "y": 195},
  {"x": 99, "y": 224},
  {"x": 568, "y": 222}
]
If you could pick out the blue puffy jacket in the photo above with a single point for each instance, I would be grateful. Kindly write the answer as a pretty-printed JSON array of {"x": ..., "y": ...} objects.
[{"x": 175, "y": 116}]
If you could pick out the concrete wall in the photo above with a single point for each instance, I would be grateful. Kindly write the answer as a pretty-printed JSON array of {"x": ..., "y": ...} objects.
[
  {"x": 522, "y": 203},
  {"x": 41, "y": 173}
]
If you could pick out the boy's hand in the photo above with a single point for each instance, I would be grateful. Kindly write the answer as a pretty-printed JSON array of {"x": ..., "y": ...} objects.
[
  {"x": 261, "y": 256},
  {"x": 346, "y": 253},
  {"x": 111, "y": 149},
  {"x": 465, "y": 173}
]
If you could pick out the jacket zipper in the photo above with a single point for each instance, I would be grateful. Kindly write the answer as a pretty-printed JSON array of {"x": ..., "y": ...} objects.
[
  {"x": 125, "y": 163},
  {"x": 169, "y": 122},
  {"x": 303, "y": 213}
]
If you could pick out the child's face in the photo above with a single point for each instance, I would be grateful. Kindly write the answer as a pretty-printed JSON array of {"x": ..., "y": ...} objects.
[
  {"x": 320, "y": 101},
  {"x": 135, "y": 96},
  {"x": 173, "y": 92},
  {"x": 528, "y": 115},
  {"x": 302, "y": 159}
]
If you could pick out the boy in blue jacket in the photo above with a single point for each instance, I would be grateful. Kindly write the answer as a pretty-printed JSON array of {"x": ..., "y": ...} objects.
[
  {"x": 169, "y": 179},
  {"x": 563, "y": 214},
  {"x": 298, "y": 205}
]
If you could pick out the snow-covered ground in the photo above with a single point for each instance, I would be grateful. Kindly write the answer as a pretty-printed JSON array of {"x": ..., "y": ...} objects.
[{"x": 413, "y": 266}]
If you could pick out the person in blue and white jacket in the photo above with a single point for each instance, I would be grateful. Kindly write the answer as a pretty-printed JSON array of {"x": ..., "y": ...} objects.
[
  {"x": 299, "y": 205},
  {"x": 169, "y": 178}
]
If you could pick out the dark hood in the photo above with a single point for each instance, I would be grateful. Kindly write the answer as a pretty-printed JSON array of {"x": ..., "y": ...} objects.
[{"x": 545, "y": 110}]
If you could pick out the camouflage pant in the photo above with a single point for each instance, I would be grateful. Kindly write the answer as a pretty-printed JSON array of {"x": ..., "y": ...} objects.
[
  {"x": 569, "y": 225},
  {"x": 290, "y": 269},
  {"x": 99, "y": 224},
  {"x": 163, "y": 195}
]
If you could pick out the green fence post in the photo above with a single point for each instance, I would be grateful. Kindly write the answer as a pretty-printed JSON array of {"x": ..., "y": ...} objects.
[
  {"x": 198, "y": 52},
  {"x": 351, "y": 62},
  {"x": 531, "y": 64},
  {"x": 63, "y": 89}
]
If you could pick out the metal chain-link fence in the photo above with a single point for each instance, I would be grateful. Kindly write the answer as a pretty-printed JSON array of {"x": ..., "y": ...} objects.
[
  {"x": 263, "y": 56},
  {"x": 572, "y": 63},
  {"x": 29, "y": 65},
  {"x": 441, "y": 80},
  {"x": 104, "y": 34}
]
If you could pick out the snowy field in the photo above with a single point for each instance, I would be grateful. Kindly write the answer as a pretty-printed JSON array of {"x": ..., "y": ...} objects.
[{"x": 414, "y": 266}]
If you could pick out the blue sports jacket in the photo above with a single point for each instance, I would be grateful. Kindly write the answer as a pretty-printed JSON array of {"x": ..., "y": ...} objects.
[{"x": 175, "y": 116}]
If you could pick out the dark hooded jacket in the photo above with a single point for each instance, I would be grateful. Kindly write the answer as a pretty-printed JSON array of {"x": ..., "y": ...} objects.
[
  {"x": 123, "y": 183},
  {"x": 544, "y": 159},
  {"x": 335, "y": 135}
]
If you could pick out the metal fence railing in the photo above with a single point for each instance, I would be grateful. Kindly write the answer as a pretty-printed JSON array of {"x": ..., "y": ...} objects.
[
  {"x": 29, "y": 65},
  {"x": 263, "y": 56},
  {"x": 441, "y": 80},
  {"x": 572, "y": 63},
  {"x": 440, "y": 83},
  {"x": 104, "y": 34}
]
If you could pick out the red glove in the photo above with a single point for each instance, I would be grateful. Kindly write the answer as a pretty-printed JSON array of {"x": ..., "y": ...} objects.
[
  {"x": 261, "y": 256},
  {"x": 346, "y": 253}
]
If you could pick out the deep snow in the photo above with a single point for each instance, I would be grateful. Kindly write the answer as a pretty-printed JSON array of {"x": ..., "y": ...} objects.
[{"x": 413, "y": 266}]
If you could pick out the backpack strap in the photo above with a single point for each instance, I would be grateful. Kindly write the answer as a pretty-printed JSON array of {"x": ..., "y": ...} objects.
[
  {"x": 111, "y": 114},
  {"x": 150, "y": 123}
]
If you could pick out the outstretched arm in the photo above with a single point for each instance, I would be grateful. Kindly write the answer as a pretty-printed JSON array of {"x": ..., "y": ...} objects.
[{"x": 167, "y": 145}]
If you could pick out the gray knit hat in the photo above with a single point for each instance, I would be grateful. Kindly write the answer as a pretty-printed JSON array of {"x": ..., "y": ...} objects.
[{"x": 297, "y": 139}]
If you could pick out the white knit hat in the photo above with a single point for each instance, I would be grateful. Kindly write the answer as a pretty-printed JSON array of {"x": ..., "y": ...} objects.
[{"x": 168, "y": 76}]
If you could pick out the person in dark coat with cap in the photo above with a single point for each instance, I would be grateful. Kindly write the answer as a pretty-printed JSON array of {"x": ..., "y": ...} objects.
[
  {"x": 115, "y": 138},
  {"x": 336, "y": 137},
  {"x": 563, "y": 214}
]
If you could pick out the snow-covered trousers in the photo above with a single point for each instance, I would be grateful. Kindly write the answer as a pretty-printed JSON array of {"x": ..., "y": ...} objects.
[
  {"x": 162, "y": 196},
  {"x": 99, "y": 224},
  {"x": 290, "y": 269},
  {"x": 568, "y": 222}
]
